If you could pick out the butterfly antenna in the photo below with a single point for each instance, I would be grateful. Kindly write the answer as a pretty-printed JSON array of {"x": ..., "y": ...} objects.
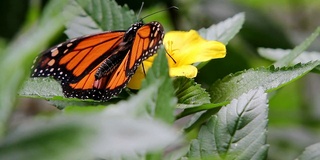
[
  {"x": 140, "y": 10},
  {"x": 170, "y": 55},
  {"x": 172, "y": 7}
]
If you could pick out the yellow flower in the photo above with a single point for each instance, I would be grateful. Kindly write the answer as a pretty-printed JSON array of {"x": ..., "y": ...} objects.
[{"x": 185, "y": 48}]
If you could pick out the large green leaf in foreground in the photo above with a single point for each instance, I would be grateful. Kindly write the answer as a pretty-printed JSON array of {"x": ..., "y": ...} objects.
[
  {"x": 165, "y": 101},
  {"x": 237, "y": 131},
  {"x": 89, "y": 136},
  {"x": 102, "y": 134}
]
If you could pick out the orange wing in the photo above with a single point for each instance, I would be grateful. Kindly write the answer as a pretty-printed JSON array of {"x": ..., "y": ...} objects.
[
  {"x": 74, "y": 59},
  {"x": 87, "y": 56}
]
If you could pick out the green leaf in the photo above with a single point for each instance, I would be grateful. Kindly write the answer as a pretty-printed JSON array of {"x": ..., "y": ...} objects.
[
  {"x": 285, "y": 61},
  {"x": 34, "y": 87},
  {"x": 271, "y": 78},
  {"x": 108, "y": 132},
  {"x": 89, "y": 136},
  {"x": 165, "y": 101},
  {"x": 234, "y": 85},
  {"x": 63, "y": 102},
  {"x": 310, "y": 153},
  {"x": 238, "y": 131},
  {"x": 35, "y": 139},
  {"x": 83, "y": 110},
  {"x": 277, "y": 54},
  {"x": 95, "y": 16},
  {"x": 225, "y": 30},
  {"x": 209, "y": 106},
  {"x": 138, "y": 105},
  {"x": 189, "y": 93},
  {"x": 200, "y": 117},
  {"x": 16, "y": 60}
]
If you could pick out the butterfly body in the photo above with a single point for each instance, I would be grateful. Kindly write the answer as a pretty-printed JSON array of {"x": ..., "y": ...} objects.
[{"x": 99, "y": 66}]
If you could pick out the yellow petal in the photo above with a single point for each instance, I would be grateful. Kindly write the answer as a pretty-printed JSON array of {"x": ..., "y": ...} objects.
[
  {"x": 188, "y": 71},
  {"x": 189, "y": 47},
  {"x": 136, "y": 80}
]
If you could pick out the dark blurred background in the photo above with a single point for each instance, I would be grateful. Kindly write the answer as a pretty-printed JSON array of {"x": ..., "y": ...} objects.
[{"x": 294, "y": 114}]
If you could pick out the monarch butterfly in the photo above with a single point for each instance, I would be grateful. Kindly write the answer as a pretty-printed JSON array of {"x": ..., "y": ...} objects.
[{"x": 99, "y": 66}]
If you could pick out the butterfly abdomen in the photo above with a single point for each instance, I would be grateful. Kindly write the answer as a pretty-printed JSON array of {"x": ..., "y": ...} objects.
[{"x": 108, "y": 65}]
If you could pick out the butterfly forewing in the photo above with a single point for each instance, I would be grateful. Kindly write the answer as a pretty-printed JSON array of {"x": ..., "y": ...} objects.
[
  {"x": 148, "y": 40},
  {"x": 72, "y": 60}
]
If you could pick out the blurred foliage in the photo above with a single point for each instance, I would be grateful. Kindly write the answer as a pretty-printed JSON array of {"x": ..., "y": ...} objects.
[{"x": 294, "y": 110}]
